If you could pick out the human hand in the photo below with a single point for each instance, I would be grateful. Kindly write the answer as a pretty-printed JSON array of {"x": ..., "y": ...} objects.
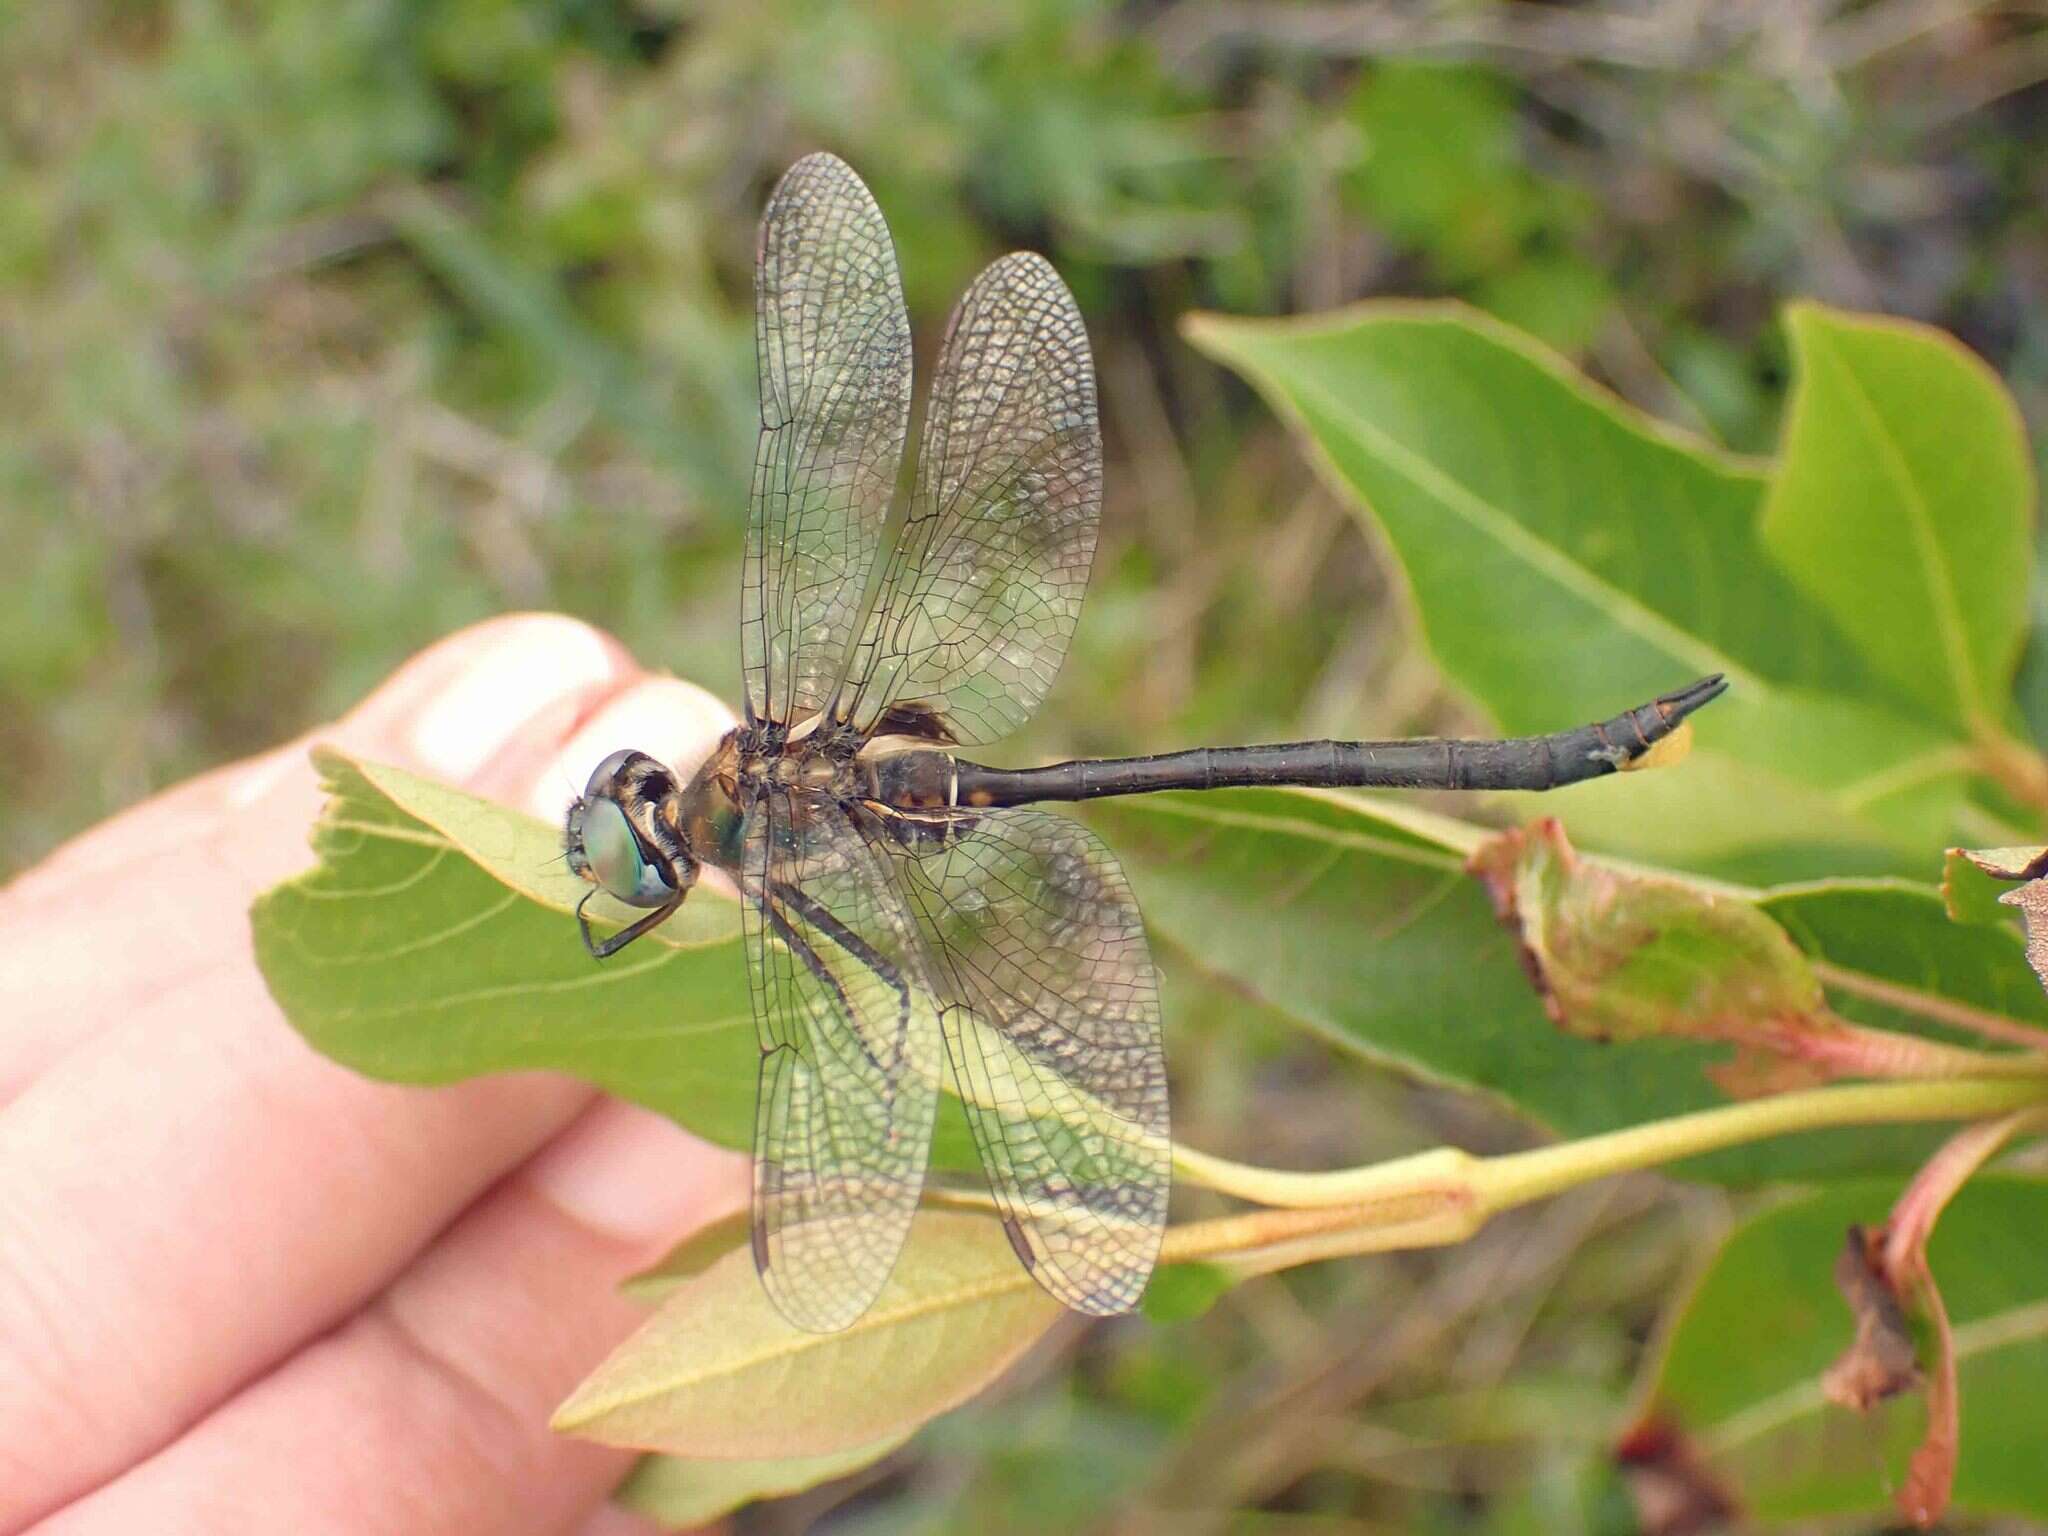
[{"x": 242, "y": 1288}]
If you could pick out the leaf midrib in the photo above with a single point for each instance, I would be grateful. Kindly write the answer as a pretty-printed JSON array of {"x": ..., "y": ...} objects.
[
  {"x": 876, "y": 1320},
  {"x": 1998, "y": 1330},
  {"x": 1496, "y": 522},
  {"x": 1940, "y": 575}
]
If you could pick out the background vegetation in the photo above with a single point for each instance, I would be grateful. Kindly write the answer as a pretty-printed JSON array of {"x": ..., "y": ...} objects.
[{"x": 329, "y": 327}]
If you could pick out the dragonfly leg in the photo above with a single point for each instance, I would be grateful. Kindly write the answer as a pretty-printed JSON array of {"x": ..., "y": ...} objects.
[
  {"x": 814, "y": 963},
  {"x": 604, "y": 949},
  {"x": 820, "y": 917}
]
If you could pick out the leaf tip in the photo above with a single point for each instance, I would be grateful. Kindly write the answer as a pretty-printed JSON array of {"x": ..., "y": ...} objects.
[{"x": 579, "y": 1410}]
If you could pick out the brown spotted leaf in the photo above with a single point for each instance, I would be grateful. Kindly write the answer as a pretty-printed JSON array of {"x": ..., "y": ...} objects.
[
  {"x": 2028, "y": 863},
  {"x": 1885, "y": 1276},
  {"x": 1931, "y": 1475},
  {"x": 1618, "y": 956}
]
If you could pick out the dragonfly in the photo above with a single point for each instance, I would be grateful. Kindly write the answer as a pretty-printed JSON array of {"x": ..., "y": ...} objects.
[{"x": 914, "y": 922}]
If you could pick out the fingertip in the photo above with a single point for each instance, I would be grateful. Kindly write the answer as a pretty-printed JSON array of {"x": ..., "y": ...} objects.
[
  {"x": 457, "y": 707},
  {"x": 674, "y": 722},
  {"x": 279, "y": 785}
]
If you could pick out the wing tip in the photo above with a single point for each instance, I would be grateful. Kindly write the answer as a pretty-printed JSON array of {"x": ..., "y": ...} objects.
[{"x": 819, "y": 162}]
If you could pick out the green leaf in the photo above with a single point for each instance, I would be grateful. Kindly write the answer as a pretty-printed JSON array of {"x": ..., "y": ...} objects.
[
  {"x": 1973, "y": 880},
  {"x": 1355, "y": 919},
  {"x": 1180, "y": 1292},
  {"x": 1893, "y": 958},
  {"x": 1740, "y": 1373},
  {"x": 1626, "y": 560},
  {"x": 717, "y": 1372},
  {"x": 1562, "y": 301},
  {"x": 434, "y": 941},
  {"x": 679, "y": 1493},
  {"x": 1904, "y": 506}
]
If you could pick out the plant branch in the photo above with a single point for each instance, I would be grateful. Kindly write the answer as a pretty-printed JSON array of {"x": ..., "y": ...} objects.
[
  {"x": 1520, "y": 1177},
  {"x": 1446, "y": 1195},
  {"x": 1396, "y": 1179}
]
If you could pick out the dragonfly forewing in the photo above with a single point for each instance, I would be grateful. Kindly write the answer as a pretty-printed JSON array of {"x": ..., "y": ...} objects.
[{"x": 834, "y": 344}]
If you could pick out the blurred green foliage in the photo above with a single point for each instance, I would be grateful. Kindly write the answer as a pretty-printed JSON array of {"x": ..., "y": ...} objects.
[{"x": 328, "y": 327}]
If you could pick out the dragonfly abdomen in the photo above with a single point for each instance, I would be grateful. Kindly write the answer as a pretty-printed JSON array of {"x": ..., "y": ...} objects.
[
  {"x": 919, "y": 779},
  {"x": 1525, "y": 762}
]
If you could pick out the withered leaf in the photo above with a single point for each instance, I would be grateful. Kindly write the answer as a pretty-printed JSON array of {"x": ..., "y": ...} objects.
[
  {"x": 1882, "y": 1361},
  {"x": 1619, "y": 956},
  {"x": 1674, "y": 1491}
]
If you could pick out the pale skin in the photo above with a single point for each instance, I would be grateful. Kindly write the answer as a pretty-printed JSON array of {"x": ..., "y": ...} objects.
[{"x": 244, "y": 1289}]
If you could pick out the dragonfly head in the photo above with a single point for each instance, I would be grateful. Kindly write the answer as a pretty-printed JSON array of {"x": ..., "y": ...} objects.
[{"x": 623, "y": 835}]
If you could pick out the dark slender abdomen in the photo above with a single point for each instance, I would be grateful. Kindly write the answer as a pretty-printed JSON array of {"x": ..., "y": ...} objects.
[{"x": 1526, "y": 762}]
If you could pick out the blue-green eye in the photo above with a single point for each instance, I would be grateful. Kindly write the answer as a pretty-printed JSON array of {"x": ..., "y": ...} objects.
[{"x": 614, "y": 855}]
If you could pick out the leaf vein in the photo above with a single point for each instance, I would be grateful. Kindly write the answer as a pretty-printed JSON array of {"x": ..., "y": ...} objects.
[{"x": 1487, "y": 518}]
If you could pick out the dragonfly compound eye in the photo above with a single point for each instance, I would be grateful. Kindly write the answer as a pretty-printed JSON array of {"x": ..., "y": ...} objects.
[
  {"x": 616, "y": 859},
  {"x": 605, "y": 775}
]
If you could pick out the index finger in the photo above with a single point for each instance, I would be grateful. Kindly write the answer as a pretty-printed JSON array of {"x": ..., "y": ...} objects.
[
  {"x": 189, "y": 1192},
  {"x": 159, "y": 892}
]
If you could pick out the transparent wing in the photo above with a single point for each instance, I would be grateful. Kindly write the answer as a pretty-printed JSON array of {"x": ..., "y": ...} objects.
[
  {"x": 985, "y": 584},
  {"x": 834, "y": 345},
  {"x": 1051, "y": 1021},
  {"x": 849, "y": 1060}
]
